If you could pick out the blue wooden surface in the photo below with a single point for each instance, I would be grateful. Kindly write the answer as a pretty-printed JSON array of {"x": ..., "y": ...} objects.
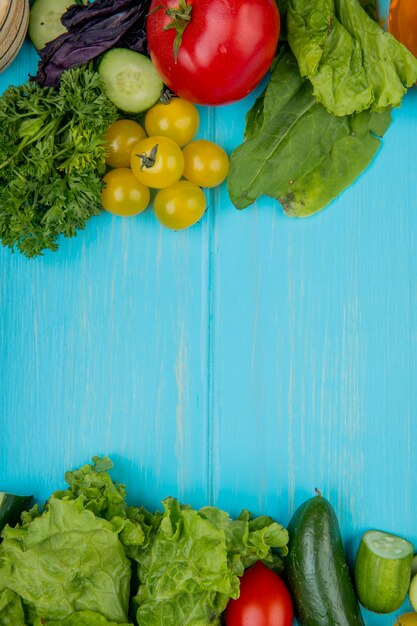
[{"x": 242, "y": 363}]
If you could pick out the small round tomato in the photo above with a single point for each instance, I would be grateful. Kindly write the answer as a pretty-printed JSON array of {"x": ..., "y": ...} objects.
[
  {"x": 264, "y": 600},
  {"x": 121, "y": 138},
  {"x": 178, "y": 120},
  {"x": 123, "y": 194},
  {"x": 205, "y": 163},
  {"x": 402, "y": 23},
  {"x": 408, "y": 619},
  {"x": 180, "y": 205},
  {"x": 225, "y": 46},
  {"x": 157, "y": 162}
]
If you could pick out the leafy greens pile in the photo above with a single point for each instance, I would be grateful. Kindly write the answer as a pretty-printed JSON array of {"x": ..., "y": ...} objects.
[
  {"x": 318, "y": 124},
  {"x": 88, "y": 558},
  {"x": 52, "y": 153}
]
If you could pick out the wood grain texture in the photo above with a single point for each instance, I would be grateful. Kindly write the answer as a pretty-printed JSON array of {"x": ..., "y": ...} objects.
[{"x": 243, "y": 362}]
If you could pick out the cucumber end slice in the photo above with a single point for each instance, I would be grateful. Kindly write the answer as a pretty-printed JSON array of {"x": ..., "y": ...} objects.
[
  {"x": 383, "y": 571},
  {"x": 387, "y": 546}
]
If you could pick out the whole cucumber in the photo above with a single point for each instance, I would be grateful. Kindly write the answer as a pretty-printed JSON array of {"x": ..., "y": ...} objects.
[{"x": 316, "y": 568}]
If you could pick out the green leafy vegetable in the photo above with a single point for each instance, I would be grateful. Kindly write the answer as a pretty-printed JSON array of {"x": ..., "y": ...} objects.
[
  {"x": 68, "y": 563},
  {"x": 191, "y": 568},
  {"x": 51, "y": 159},
  {"x": 67, "y": 560},
  {"x": 106, "y": 500},
  {"x": 81, "y": 618},
  {"x": 11, "y": 609},
  {"x": 352, "y": 63},
  {"x": 295, "y": 151}
]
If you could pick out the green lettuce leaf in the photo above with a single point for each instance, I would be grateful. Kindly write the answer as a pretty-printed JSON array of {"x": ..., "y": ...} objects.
[
  {"x": 106, "y": 499},
  {"x": 297, "y": 152},
  {"x": 81, "y": 618},
  {"x": 351, "y": 62},
  {"x": 102, "y": 496},
  {"x": 11, "y": 609},
  {"x": 191, "y": 568},
  {"x": 67, "y": 560}
]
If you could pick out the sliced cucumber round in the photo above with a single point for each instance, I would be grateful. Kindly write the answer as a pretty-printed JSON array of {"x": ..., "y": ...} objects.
[
  {"x": 130, "y": 80},
  {"x": 383, "y": 571},
  {"x": 45, "y": 21},
  {"x": 11, "y": 508}
]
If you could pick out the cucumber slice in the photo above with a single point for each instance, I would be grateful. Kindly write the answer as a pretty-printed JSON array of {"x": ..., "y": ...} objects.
[
  {"x": 45, "y": 21},
  {"x": 130, "y": 80},
  {"x": 11, "y": 508},
  {"x": 383, "y": 571}
]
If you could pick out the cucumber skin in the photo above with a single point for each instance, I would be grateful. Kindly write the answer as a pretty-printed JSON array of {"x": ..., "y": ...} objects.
[
  {"x": 316, "y": 568},
  {"x": 368, "y": 573},
  {"x": 11, "y": 509}
]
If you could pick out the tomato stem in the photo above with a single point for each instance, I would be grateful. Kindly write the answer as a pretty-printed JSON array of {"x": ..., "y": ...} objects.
[
  {"x": 148, "y": 160},
  {"x": 181, "y": 17}
]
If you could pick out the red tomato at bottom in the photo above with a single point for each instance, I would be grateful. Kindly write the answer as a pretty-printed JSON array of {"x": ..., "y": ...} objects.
[{"x": 264, "y": 600}]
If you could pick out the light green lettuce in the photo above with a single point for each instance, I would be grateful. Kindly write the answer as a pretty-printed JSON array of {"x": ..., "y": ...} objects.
[
  {"x": 191, "y": 568},
  {"x": 11, "y": 609},
  {"x": 352, "y": 63},
  {"x": 67, "y": 560},
  {"x": 68, "y": 565},
  {"x": 80, "y": 618}
]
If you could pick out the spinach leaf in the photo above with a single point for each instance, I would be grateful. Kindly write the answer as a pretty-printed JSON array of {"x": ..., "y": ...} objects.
[
  {"x": 295, "y": 151},
  {"x": 351, "y": 62}
]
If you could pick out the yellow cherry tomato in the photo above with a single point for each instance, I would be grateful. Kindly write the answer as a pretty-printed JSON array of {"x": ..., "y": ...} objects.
[
  {"x": 180, "y": 206},
  {"x": 408, "y": 619},
  {"x": 121, "y": 138},
  {"x": 157, "y": 162},
  {"x": 177, "y": 120},
  {"x": 123, "y": 194},
  {"x": 205, "y": 163}
]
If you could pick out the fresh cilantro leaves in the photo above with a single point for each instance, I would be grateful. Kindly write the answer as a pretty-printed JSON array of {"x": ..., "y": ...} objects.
[{"x": 51, "y": 159}]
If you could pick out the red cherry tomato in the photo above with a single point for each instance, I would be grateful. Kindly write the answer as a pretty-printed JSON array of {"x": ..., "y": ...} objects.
[
  {"x": 226, "y": 49},
  {"x": 402, "y": 22},
  {"x": 264, "y": 600}
]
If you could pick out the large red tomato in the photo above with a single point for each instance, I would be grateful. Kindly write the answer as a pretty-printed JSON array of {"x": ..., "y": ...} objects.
[
  {"x": 264, "y": 600},
  {"x": 225, "y": 49}
]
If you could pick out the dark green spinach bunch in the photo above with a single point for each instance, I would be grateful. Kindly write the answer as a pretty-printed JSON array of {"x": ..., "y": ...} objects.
[{"x": 52, "y": 153}]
